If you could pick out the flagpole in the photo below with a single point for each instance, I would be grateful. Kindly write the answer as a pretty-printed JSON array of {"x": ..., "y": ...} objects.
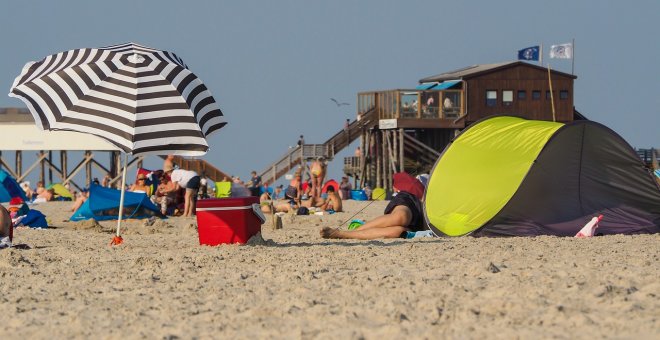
[
  {"x": 552, "y": 99},
  {"x": 573, "y": 59}
]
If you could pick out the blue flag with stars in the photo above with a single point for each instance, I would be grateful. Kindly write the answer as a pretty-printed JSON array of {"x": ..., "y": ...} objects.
[{"x": 529, "y": 53}]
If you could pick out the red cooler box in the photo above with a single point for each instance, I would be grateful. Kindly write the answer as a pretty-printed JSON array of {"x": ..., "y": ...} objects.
[{"x": 228, "y": 220}]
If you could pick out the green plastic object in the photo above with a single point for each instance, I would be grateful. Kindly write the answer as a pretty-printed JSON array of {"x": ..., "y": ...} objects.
[{"x": 354, "y": 224}]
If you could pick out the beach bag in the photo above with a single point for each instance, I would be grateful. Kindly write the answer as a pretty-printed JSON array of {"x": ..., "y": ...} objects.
[{"x": 303, "y": 211}]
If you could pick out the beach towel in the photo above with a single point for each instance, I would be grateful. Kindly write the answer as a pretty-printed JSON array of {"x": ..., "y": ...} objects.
[
  {"x": 61, "y": 192},
  {"x": 33, "y": 219}
]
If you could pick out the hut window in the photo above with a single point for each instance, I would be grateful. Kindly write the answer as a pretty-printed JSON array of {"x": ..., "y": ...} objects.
[
  {"x": 491, "y": 98},
  {"x": 522, "y": 94},
  {"x": 507, "y": 97},
  {"x": 536, "y": 94},
  {"x": 563, "y": 94},
  {"x": 548, "y": 96}
]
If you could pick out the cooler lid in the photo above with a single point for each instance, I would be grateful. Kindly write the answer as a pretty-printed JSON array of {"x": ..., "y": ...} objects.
[{"x": 227, "y": 202}]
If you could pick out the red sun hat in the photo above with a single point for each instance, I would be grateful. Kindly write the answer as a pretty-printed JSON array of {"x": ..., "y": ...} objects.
[
  {"x": 405, "y": 182},
  {"x": 16, "y": 202}
]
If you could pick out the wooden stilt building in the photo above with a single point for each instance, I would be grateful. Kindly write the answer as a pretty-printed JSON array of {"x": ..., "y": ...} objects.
[{"x": 407, "y": 129}]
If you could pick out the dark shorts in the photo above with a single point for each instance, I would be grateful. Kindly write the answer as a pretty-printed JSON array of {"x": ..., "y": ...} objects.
[
  {"x": 291, "y": 192},
  {"x": 411, "y": 202},
  {"x": 193, "y": 183}
]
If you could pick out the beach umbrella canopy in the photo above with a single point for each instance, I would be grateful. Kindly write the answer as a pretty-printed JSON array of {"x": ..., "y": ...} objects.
[
  {"x": 143, "y": 100},
  {"x": 9, "y": 188},
  {"x": 140, "y": 99}
]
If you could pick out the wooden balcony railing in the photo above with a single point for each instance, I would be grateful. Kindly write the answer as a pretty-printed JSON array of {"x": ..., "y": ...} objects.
[{"x": 413, "y": 104}]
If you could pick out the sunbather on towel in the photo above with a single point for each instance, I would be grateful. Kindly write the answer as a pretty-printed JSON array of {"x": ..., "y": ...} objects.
[{"x": 402, "y": 214}]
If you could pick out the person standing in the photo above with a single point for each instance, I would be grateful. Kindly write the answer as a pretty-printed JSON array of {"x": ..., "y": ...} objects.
[
  {"x": 345, "y": 188},
  {"x": 317, "y": 170},
  {"x": 255, "y": 184},
  {"x": 189, "y": 180},
  {"x": 301, "y": 141}
]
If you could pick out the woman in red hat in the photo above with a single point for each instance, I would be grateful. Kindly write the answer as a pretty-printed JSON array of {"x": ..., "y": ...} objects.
[{"x": 402, "y": 214}]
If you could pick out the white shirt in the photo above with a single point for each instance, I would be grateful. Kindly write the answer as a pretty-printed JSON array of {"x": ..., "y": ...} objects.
[{"x": 182, "y": 176}]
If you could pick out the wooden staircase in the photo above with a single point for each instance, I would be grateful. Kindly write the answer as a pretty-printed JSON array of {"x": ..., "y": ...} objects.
[
  {"x": 424, "y": 156},
  {"x": 296, "y": 156}
]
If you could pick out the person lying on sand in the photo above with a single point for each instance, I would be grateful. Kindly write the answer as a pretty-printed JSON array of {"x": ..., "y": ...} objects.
[
  {"x": 45, "y": 196},
  {"x": 269, "y": 205},
  {"x": 402, "y": 214}
]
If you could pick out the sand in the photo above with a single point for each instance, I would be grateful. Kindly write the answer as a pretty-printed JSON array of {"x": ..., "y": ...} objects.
[{"x": 292, "y": 284}]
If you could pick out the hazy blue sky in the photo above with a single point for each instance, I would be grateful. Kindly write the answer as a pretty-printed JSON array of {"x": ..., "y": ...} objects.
[{"x": 274, "y": 65}]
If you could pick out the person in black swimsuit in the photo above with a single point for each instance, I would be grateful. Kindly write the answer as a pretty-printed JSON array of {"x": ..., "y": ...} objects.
[{"x": 402, "y": 214}]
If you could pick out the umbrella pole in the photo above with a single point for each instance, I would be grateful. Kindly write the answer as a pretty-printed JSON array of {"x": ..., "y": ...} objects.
[{"x": 117, "y": 240}]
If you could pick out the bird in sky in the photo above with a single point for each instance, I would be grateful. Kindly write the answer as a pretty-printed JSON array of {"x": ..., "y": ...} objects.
[{"x": 338, "y": 103}]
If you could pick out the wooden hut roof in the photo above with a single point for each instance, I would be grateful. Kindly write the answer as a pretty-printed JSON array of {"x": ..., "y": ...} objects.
[{"x": 477, "y": 70}]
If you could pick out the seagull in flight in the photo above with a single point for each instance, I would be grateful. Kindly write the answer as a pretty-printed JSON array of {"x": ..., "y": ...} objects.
[{"x": 338, "y": 103}]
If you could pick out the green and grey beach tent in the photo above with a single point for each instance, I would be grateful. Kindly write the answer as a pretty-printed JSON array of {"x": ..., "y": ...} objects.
[{"x": 508, "y": 176}]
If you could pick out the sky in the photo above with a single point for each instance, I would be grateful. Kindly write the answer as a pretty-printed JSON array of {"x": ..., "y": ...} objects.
[{"x": 274, "y": 65}]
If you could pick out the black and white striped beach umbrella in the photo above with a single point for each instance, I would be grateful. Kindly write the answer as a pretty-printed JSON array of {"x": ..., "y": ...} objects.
[{"x": 143, "y": 100}]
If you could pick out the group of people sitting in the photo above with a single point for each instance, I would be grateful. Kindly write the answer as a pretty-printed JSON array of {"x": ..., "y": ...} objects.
[
  {"x": 172, "y": 182},
  {"x": 175, "y": 193},
  {"x": 311, "y": 196}
]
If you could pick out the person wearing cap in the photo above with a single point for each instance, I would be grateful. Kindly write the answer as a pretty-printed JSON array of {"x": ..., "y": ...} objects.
[
  {"x": 402, "y": 214},
  {"x": 189, "y": 180},
  {"x": 140, "y": 185}
]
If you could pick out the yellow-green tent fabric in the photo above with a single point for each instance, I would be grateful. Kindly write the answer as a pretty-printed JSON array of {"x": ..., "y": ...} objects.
[
  {"x": 378, "y": 194},
  {"x": 222, "y": 189},
  {"x": 506, "y": 176},
  {"x": 480, "y": 171},
  {"x": 60, "y": 190}
]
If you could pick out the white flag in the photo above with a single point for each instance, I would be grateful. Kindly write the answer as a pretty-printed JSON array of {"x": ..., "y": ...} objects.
[{"x": 562, "y": 51}]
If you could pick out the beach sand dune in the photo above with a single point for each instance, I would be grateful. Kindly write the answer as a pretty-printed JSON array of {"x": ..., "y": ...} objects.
[{"x": 162, "y": 283}]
